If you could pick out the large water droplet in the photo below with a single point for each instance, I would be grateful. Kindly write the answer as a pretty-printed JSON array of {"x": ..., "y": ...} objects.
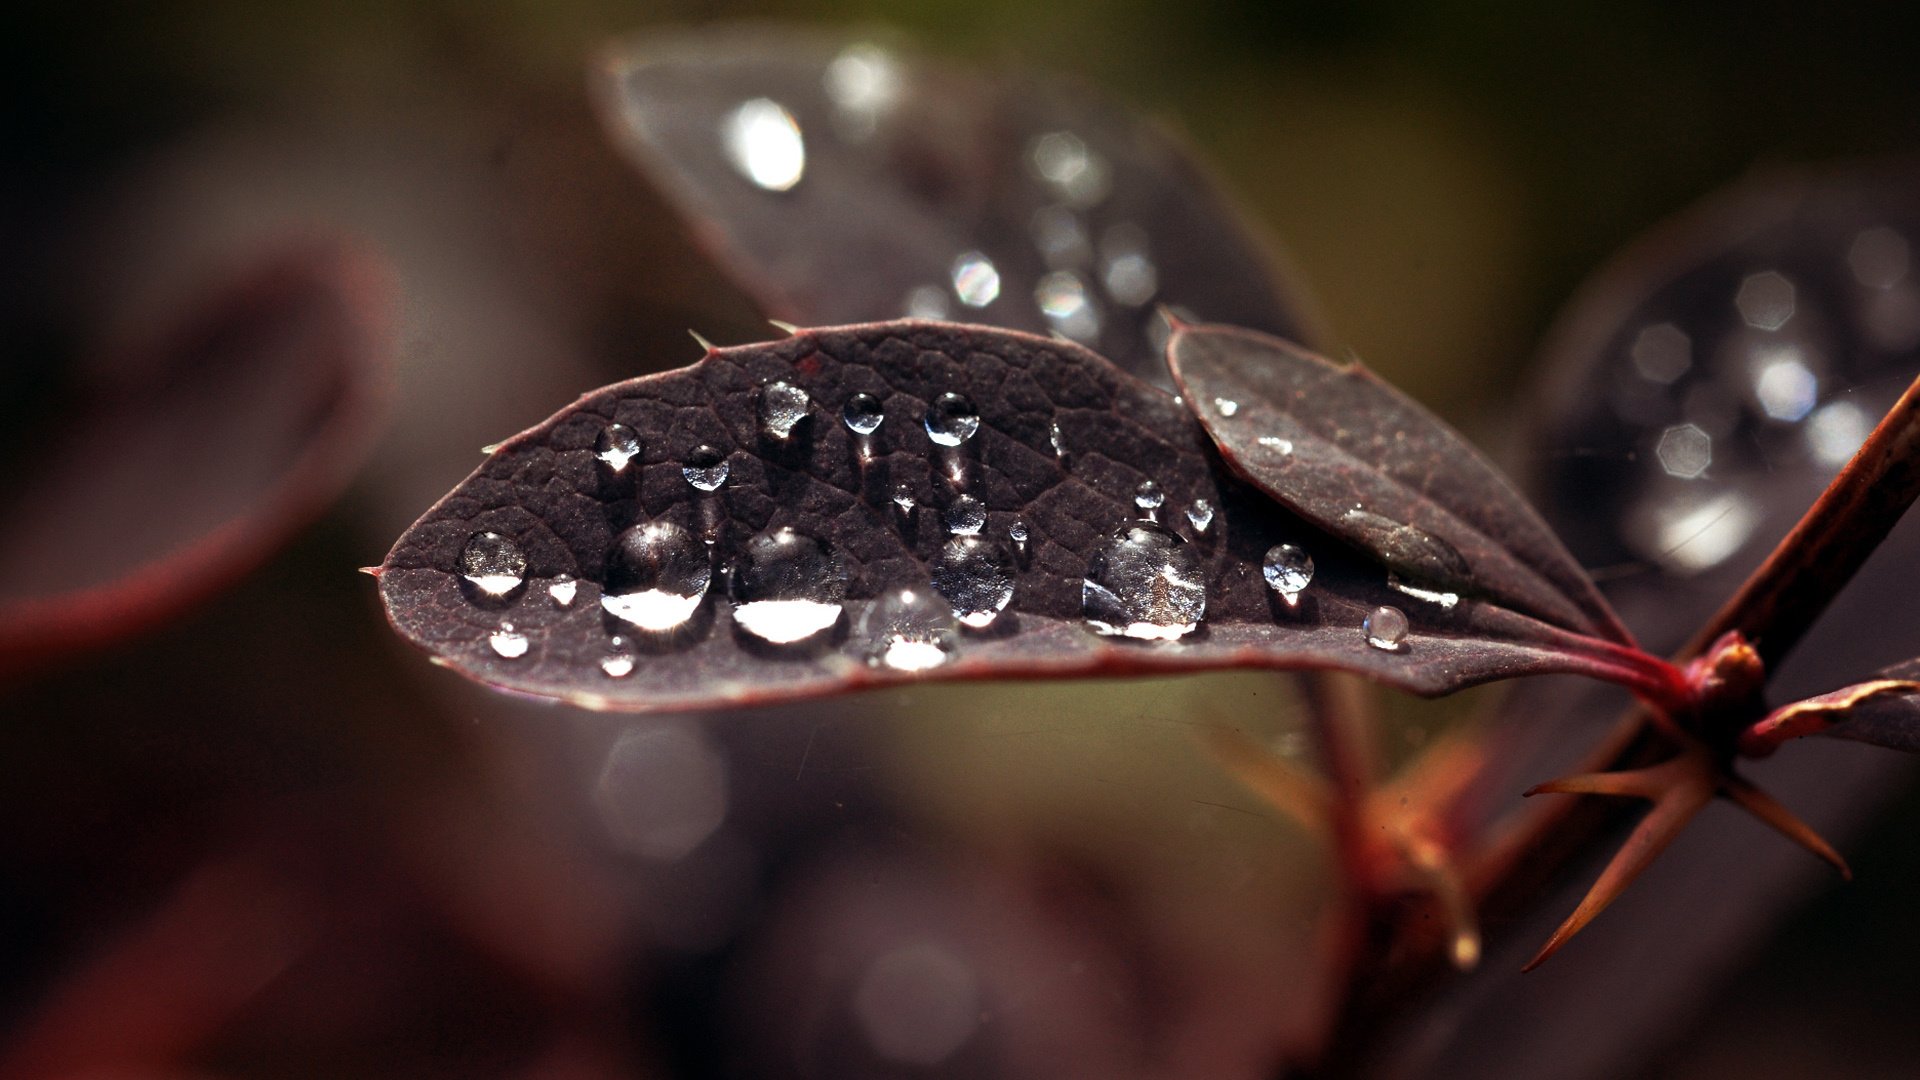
[
  {"x": 493, "y": 564},
  {"x": 705, "y": 468},
  {"x": 788, "y": 586},
  {"x": 966, "y": 517},
  {"x": 782, "y": 407},
  {"x": 1148, "y": 497},
  {"x": 1288, "y": 570},
  {"x": 908, "y": 628},
  {"x": 762, "y": 140},
  {"x": 1146, "y": 582},
  {"x": 976, "y": 577},
  {"x": 1386, "y": 628},
  {"x": 616, "y": 446},
  {"x": 863, "y": 414},
  {"x": 509, "y": 643},
  {"x": 562, "y": 589},
  {"x": 952, "y": 420},
  {"x": 656, "y": 576},
  {"x": 1200, "y": 515}
]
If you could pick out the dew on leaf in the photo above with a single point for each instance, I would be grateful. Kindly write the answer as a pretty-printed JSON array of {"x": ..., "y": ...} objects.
[
  {"x": 976, "y": 577},
  {"x": 1200, "y": 515},
  {"x": 908, "y": 628},
  {"x": 782, "y": 407},
  {"x": 509, "y": 643},
  {"x": 1148, "y": 497},
  {"x": 617, "y": 665},
  {"x": 788, "y": 586},
  {"x": 1146, "y": 583},
  {"x": 1288, "y": 570},
  {"x": 966, "y": 517},
  {"x": 1447, "y": 600},
  {"x": 657, "y": 575},
  {"x": 1386, "y": 628},
  {"x": 493, "y": 564},
  {"x": 705, "y": 468},
  {"x": 616, "y": 446},
  {"x": 863, "y": 414},
  {"x": 562, "y": 590},
  {"x": 952, "y": 420}
]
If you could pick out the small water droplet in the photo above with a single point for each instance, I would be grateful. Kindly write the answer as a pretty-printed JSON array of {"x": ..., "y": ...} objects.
[
  {"x": 706, "y": 468},
  {"x": 1017, "y": 532},
  {"x": 976, "y": 577},
  {"x": 657, "y": 574},
  {"x": 1226, "y": 406},
  {"x": 1059, "y": 443},
  {"x": 1148, "y": 497},
  {"x": 975, "y": 281},
  {"x": 1288, "y": 570},
  {"x": 617, "y": 665},
  {"x": 763, "y": 141},
  {"x": 966, "y": 517},
  {"x": 493, "y": 564},
  {"x": 616, "y": 446},
  {"x": 908, "y": 628},
  {"x": 1200, "y": 515},
  {"x": 903, "y": 497},
  {"x": 562, "y": 590},
  {"x": 509, "y": 643},
  {"x": 788, "y": 585},
  {"x": 951, "y": 420},
  {"x": 782, "y": 407},
  {"x": 1275, "y": 443},
  {"x": 1146, "y": 582},
  {"x": 863, "y": 414},
  {"x": 1386, "y": 628}
]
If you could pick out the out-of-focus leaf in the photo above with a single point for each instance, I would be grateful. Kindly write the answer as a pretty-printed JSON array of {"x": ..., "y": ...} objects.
[
  {"x": 1884, "y": 711},
  {"x": 571, "y": 564},
  {"x": 1363, "y": 461},
  {"x": 190, "y": 456},
  {"x": 843, "y": 180}
]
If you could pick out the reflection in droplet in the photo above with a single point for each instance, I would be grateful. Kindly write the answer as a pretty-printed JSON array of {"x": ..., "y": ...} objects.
[
  {"x": 662, "y": 791},
  {"x": 617, "y": 665},
  {"x": 1017, "y": 532},
  {"x": 1447, "y": 600},
  {"x": 908, "y": 628},
  {"x": 493, "y": 563},
  {"x": 1058, "y": 442},
  {"x": 705, "y": 468},
  {"x": 966, "y": 516},
  {"x": 788, "y": 585},
  {"x": 1145, "y": 582},
  {"x": 1200, "y": 515},
  {"x": 1835, "y": 431},
  {"x": 1662, "y": 353},
  {"x": 926, "y": 302},
  {"x": 917, "y": 1005},
  {"x": 1684, "y": 451},
  {"x": 1148, "y": 497},
  {"x": 903, "y": 497},
  {"x": 615, "y": 446},
  {"x": 976, "y": 577},
  {"x": 657, "y": 574},
  {"x": 1061, "y": 238},
  {"x": 1765, "y": 300},
  {"x": 863, "y": 82},
  {"x": 1075, "y": 171},
  {"x": 951, "y": 420},
  {"x": 1062, "y": 298},
  {"x": 782, "y": 407},
  {"x": 763, "y": 142},
  {"x": 863, "y": 414},
  {"x": 1386, "y": 628},
  {"x": 1783, "y": 385},
  {"x": 562, "y": 590},
  {"x": 1878, "y": 257},
  {"x": 1226, "y": 406},
  {"x": 1288, "y": 570},
  {"x": 975, "y": 281},
  {"x": 1689, "y": 531},
  {"x": 508, "y": 642}
]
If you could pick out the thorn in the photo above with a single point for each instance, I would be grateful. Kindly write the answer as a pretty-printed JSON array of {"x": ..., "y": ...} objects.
[
  {"x": 1301, "y": 795},
  {"x": 1174, "y": 322},
  {"x": 1768, "y": 809},
  {"x": 779, "y": 325},
  {"x": 371, "y": 571},
  {"x": 704, "y": 343},
  {"x": 491, "y": 447}
]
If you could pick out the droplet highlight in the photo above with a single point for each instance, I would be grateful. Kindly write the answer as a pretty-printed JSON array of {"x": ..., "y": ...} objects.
[
  {"x": 562, "y": 590},
  {"x": 788, "y": 586},
  {"x": 616, "y": 446},
  {"x": 657, "y": 574},
  {"x": 508, "y": 643},
  {"x": 706, "y": 468},
  {"x": 493, "y": 564},
  {"x": 782, "y": 407},
  {"x": 1145, "y": 582},
  {"x": 1148, "y": 497},
  {"x": 908, "y": 628},
  {"x": 966, "y": 517},
  {"x": 951, "y": 420},
  {"x": 863, "y": 414}
]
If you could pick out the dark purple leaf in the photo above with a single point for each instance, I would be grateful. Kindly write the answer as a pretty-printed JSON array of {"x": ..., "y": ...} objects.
[
  {"x": 844, "y": 181},
  {"x": 1364, "y": 462},
  {"x": 1884, "y": 711},
  {"x": 185, "y": 459},
  {"x": 1069, "y": 453}
]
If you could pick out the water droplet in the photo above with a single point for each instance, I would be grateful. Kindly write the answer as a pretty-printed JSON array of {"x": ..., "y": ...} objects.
[
  {"x": 1062, "y": 298},
  {"x": 1386, "y": 628},
  {"x": 951, "y": 420},
  {"x": 976, "y": 577},
  {"x": 903, "y": 497},
  {"x": 1276, "y": 444},
  {"x": 1448, "y": 600},
  {"x": 975, "y": 281},
  {"x": 509, "y": 643},
  {"x": 1662, "y": 353},
  {"x": 562, "y": 590},
  {"x": 782, "y": 407},
  {"x": 493, "y": 564},
  {"x": 706, "y": 468},
  {"x": 788, "y": 585},
  {"x": 908, "y": 628},
  {"x": 927, "y": 302},
  {"x": 657, "y": 574},
  {"x": 1685, "y": 451},
  {"x": 1077, "y": 173},
  {"x": 1765, "y": 300},
  {"x": 1148, "y": 497},
  {"x": 1017, "y": 532},
  {"x": 616, "y": 446},
  {"x": 1200, "y": 515},
  {"x": 863, "y": 414},
  {"x": 617, "y": 665},
  {"x": 763, "y": 142},
  {"x": 1288, "y": 570},
  {"x": 1226, "y": 406},
  {"x": 966, "y": 517},
  {"x": 1059, "y": 444},
  {"x": 1146, "y": 582}
]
